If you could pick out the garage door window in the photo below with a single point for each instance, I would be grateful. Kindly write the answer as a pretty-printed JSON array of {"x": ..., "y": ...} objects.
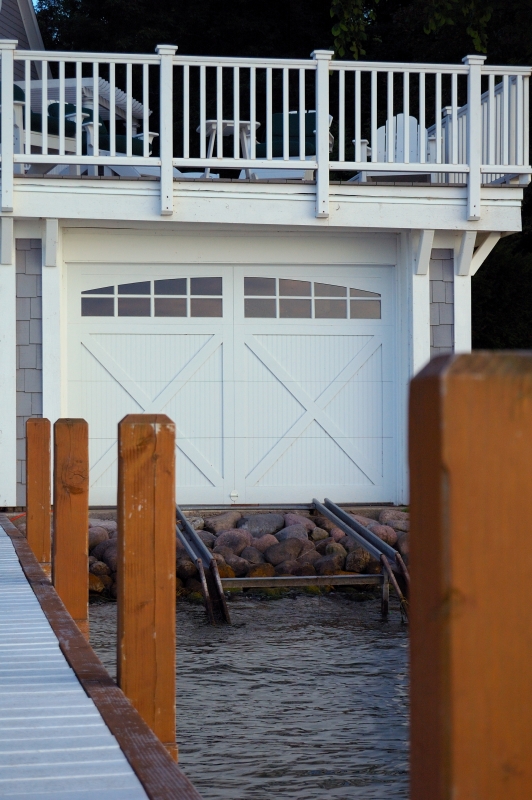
[
  {"x": 271, "y": 298},
  {"x": 168, "y": 297}
]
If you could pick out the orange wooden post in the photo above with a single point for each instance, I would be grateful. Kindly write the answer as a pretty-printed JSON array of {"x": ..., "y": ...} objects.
[
  {"x": 146, "y": 570},
  {"x": 71, "y": 518},
  {"x": 38, "y": 490},
  {"x": 471, "y": 562}
]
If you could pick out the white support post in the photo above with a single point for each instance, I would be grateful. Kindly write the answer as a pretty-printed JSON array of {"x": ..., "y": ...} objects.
[
  {"x": 474, "y": 133},
  {"x": 419, "y": 312},
  {"x": 323, "y": 59},
  {"x": 7, "y": 47},
  {"x": 8, "y": 363},
  {"x": 424, "y": 249},
  {"x": 462, "y": 258},
  {"x": 462, "y": 313},
  {"x": 167, "y": 53},
  {"x": 52, "y": 323}
]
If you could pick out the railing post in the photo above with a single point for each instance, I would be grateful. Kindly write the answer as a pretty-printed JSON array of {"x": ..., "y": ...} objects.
[
  {"x": 470, "y": 468},
  {"x": 71, "y": 518},
  {"x": 474, "y": 134},
  {"x": 146, "y": 570},
  {"x": 323, "y": 59},
  {"x": 38, "y": 490},
  {"x": 7, "y": 48},
  {"x": 166, "y": 138}
]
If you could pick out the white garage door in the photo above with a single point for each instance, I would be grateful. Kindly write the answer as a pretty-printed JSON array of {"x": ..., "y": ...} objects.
[{"x": 279, "y": 379}]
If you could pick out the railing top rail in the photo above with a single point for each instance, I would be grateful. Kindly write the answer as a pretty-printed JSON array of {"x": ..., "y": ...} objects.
[
  {"x": 100, "y": 58},
  {"x": 398, "y": 66},
  {"x": 214, "y": 61},
  {"x": 495, "y": 70}
]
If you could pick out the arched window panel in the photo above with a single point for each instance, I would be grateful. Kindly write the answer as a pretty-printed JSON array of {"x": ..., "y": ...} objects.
[
  {"x": 166, "y": 297},
  {"x": 284, "y": 298}
]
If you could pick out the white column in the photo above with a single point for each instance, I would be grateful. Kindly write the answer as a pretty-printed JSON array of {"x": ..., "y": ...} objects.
[
  {"x": 8, "y": 366},
  {"x": 474, "y": 133},
  {"x": 166, "y": 143},
  {"x": 323, "y": 59},
  {"x": 462, "y": 313},
  {"x": 419, "y": 312},
  {"x": 52, "y": 323}
]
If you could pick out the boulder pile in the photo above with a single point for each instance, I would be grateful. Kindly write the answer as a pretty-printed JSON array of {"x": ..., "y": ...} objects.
[{"x": 259, "y": 545}]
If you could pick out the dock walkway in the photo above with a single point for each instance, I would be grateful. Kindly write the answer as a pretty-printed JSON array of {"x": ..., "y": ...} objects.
[{"x": 53, "y": 740}]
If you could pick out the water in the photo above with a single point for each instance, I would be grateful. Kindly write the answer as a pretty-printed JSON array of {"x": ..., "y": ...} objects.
[{"x": 302, "y": 698}]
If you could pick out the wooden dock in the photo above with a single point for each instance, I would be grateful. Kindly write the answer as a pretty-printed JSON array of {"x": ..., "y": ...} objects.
[{"x": 66, "y": 729}]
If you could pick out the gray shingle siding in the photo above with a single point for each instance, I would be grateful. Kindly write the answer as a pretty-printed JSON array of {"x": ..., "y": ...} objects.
[{"x": 441, "y": 275}]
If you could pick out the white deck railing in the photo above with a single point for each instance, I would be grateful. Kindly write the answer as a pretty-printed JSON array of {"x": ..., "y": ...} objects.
[{"x": 159, "y": 115}]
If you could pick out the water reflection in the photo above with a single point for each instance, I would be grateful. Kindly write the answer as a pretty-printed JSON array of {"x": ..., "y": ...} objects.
[{"x": 301, "y": 698}]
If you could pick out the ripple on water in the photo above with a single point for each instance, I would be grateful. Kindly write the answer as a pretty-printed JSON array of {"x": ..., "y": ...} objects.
[{"x": 301, "y": 698}]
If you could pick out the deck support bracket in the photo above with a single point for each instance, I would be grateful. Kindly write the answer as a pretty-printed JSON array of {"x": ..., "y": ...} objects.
[
  {"x": 483, "y": 251},
  {"x": 424, "y": 249},
  {"x": 464, "y": 255}
]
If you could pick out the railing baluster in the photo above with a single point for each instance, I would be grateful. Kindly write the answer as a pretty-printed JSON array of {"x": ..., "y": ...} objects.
[
  {"x": 27, "y": 106},
  {"x": 454, "y": 118},
  {"x": 253, "y": 110},
  {"x": 390, "y": 126},
  {"x": 358, "y": 100},
  {"x": 526, "y": 102},
  {"x": 112, "y": 108},
  {"x": 491, "y": 119},
  {"x": 286, "y": 149},
  {"x": 96, "y": 108},
  {"x": 203, "y": 142},
  {"x": 219, "y": 112},
  {"x": 44, "y": 107},
  {"x": 302, "y": 112},
  {"x": 341, "y": 115},
  {"x": 129, "y": 120},
  {"x": 505, "y": 104},
  {"x": 374, "y": 152},
  {"x": 422, "y": 129},
  {"x": 437, "y": 112},
  {"x": 79, "y": 119},
  {"x": 61, "y": 108},
  {"x": 406, "y": 117},
  {"x": 269, "y": 113},
  {"x": 519, "y": 119},
  {"x": 186, "y": 111},
  {"x": 145, "y": 110},
  {"x": 236, "y": 112}
]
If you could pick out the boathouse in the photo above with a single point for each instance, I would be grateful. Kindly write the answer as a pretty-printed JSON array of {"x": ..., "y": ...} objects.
[{"x": 264, "y": 250}]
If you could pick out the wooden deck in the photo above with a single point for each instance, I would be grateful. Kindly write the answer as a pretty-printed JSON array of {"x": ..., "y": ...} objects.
[{"x": 66, "y": 729}]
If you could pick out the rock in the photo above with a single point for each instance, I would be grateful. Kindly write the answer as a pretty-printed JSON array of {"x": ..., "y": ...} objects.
[
  {"x": 384, "y": 532},
  {"x": 225, "y": 571},
  {"x": 336, "y": 534},
  {"x": 287, "y": 567},
  {"x": 304, "y": 569},
  {"x": 207, "y": 538},
  {"x": 284, "y": 551},
  {"x": 185, "y": 567},
  {"x": 388, "y": 514},
  {"x": 318, "y": 534},
  {"x": 239, "y": 565},
  {"x": 261, "y": 571},
  {"x": 373, "y": 567},
  {"x": 292, "y": 532},
  {"x": 328, "y": 565},
  {"x": 252, "y": 555},
  {"x": 106, "y": 580},
  {"x": 307, "y": 545},
  {"x": 298, "y": 519},
  {"x": 223, "y": 552},
  {"x": 402, "y": 525},
  {"x": 95, "y": 584},
  {"x": 108, "y": 524},
  {"x": 178, "y": 584},
  {"x": 99, "y": 568},
  {"x": 365, "y": 521},
  {"x": 260, "y": 524},
  {"x": 324, "y": 523},
  {"x": 310, "y": 557},
  {"x": 193, "y": 585},
  {"x": 223, "y": 522},
  {"x": 100, "y": 549},
  {"x": 113, "y": 591},
  {"x": 320, "y": 547},
  {"x": 335, "y": 549},
  {"x": 110, "y": 555},
  {"x": 235, "y": 539},
  {"x": 403, "y": 545},
  {"x": 357, "y": 559},
  {"x": 218, "y": 557},
  {"x": 113, "y": 534},
  {"x": 263, "y": 542},
  {"x": 92, "y": 560},
  {"x": 97, "y": 536},
  {"x": 196, "y": 522}
]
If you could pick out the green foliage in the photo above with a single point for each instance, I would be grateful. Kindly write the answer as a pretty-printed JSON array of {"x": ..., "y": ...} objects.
[
  {"x": 354, "y": 17},
  {"x": 475, "y": 14}
]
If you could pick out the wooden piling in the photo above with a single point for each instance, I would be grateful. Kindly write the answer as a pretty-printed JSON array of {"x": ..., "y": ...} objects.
[
  {"x": 471, "y": 561},
  {"x": 71, "y": 518},
  {"x": 146, "y": 570},
  {"x": 38, "y": 490}
]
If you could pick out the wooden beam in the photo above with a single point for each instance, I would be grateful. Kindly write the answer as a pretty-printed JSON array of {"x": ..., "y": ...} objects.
[
  {"x": 70, "y": 568},
  {"x": 424, "y": 249},
  {"x": 465, "y": 253},
  {"x": 482, "y": 252},
  {"x": 146, "y": 570},
  {"x": 38, "y": 490},
  {"x": 470, "y": 468}
]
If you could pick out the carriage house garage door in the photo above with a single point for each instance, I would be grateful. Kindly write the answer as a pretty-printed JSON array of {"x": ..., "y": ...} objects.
[{"x": 279, "y": 379}]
